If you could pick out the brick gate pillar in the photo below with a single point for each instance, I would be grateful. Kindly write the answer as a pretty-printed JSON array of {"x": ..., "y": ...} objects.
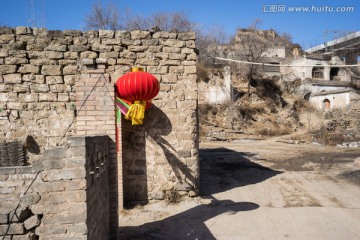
[{"x": 96, "y": 115}]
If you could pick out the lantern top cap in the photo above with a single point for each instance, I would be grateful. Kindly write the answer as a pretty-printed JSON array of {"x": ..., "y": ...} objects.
[{"x": 137, "y": 69}]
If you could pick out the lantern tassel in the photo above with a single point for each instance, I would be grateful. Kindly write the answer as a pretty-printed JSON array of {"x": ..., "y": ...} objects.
[{"x": 136, "y": 112}]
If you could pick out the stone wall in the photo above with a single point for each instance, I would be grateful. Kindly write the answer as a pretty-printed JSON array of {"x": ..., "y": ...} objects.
[
  {"x": 344, "y": 118},
  {"x": 37, "y": 75},
  {"x": 59, "y": 195},
  {"x": 41, "y": 70}
]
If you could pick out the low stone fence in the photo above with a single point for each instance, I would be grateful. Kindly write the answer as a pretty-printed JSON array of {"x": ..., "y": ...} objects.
[{"x": 63, "y": 194}]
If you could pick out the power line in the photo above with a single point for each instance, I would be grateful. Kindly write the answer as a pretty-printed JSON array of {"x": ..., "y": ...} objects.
[{"x": 282, "y": 65}]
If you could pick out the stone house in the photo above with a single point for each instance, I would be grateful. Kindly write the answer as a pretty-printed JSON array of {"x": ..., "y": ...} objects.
[{"x": 324, "y": 83}]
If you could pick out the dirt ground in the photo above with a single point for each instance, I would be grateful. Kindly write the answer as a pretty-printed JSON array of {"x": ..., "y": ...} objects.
[{"x": 260, "y": 189}]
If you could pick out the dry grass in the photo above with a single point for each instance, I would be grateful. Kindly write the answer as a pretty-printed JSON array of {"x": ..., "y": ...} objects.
[
  {"x": 274, "y": 130},
  {"x": 172, "y": 197}
]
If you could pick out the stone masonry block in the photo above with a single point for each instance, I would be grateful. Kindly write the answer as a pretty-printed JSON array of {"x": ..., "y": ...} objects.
[
  {"x": 186, "y": 36},
  {"x": 47, "y": 97},
  {"x": 63, "y": 97},
  {"x": 88, "y": 54},
  {"x": 80, "y": 41},
  {"x": 32, "y": 222},
  {"x": 6, "y": 88},
  {"x": 23, "y": 30},
  {"x": 174, "y": 43},
  {"x": 190, "y": 69},
  {"x": 51, "y": 70},
  {"x": 122, "y": 34},
  {"x": 55, "y": 153},
  {"x": 137, "y": 48},
  {"x": 56, "y": 47},
  {"x": 64, "y": 219},
  {"x": 148, "y": 62},
  {"x": 55, "y": 175},
  {"x": 171, "y": 49},
  {"x": 106, "y": 33},
  {"x": 7, "y": 38},
  {"x": 29, "y": 97},
  {"x": 21, "y": 88},
  {"x": 5, "y": 97},
  {"x": 39, "y": 88},
  {"x": 4, "y": 53},
  {"x": 3, "y": 218},
  {"x": 58, "y": 88},
  {"x": 190, "y": 44},
  {"x": 29, "y": 69},
  {"x": 111, "y": 41},
  {"x": 76, "y": 141},
  {"x": 91, "y": 34},
  {"x": 16, "y": 105},
  {"x": 69, "y": 70},
  {"x": 62, "y": 197},
  {"x": 109, "y": 55},
  {"x": 12, "y": 78},
  {"x": 14, "y": 228},
  {"x": 124, "y": 61},
  {"x": 71, "y": 55},
  {"x": 48, "y": 164},
  {"x": 87, "y": 61},
  {"x": 79, "y": 48},
  {"x": 29, "y": 199},
  {"x": 54, "y": 55},
  {"x": 72, "y": 33},
  {"x": 54, "y": 79},
  {"x": 6, "y": 69}
]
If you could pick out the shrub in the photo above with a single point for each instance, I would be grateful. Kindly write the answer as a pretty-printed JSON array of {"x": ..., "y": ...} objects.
[{"x": 172, "y": 197}]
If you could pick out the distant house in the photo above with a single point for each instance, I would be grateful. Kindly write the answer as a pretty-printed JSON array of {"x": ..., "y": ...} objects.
[
  {"x": 316, "y": 67},
  {"x": 324, "y": 83}
]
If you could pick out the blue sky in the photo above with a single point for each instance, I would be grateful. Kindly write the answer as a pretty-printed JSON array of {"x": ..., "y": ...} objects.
[{"x": 306, "y": 28}]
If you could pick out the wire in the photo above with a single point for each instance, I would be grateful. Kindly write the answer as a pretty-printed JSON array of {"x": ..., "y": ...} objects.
[
  {"x": 83, "y": 103},
  {"x": 18, "y": 205},
  {"x": 282, "y": 65}
]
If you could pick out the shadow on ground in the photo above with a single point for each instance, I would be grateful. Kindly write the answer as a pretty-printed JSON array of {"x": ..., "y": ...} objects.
[
  {"x": 222, "y": 169},
  {"x": 186, "y": 225}
]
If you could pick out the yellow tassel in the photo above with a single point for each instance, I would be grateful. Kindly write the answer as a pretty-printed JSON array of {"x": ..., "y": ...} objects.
[{"x": 136, "y": 112}]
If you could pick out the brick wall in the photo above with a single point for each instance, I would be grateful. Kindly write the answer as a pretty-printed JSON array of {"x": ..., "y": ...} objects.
[{"x": 95, "y": 103}]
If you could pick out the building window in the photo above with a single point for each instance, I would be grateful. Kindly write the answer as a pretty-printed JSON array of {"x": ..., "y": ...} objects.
[
  {"x": 334, "y": 74},
  {"x": 318, "y": 72}
]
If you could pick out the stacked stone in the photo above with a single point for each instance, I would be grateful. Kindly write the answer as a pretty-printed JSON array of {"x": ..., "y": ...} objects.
[
  {"x": 17, "y": 221},
  {"x": 37, "y": 74},
  {"x": 65, "y": 189},
  {"x": 39, "y": 70}
]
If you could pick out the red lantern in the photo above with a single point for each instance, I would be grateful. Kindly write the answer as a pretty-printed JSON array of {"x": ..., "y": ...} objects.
[{"x": 137, "y": 88}]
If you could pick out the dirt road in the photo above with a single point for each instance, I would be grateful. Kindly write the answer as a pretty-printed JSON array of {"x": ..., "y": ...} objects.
[{"x": 260, "y": 190}]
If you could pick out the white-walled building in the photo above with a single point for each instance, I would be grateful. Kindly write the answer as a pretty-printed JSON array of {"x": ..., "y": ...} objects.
[{"x": 315, "y": 67}]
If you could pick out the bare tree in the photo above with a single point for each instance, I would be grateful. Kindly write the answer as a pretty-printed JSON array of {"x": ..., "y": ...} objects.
[
  {"x": 103, "y": 17},
  {"x": 211, "y": 43},
  {"x": 165, "y": 21},
  {"x": 250, "y": 45}
]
